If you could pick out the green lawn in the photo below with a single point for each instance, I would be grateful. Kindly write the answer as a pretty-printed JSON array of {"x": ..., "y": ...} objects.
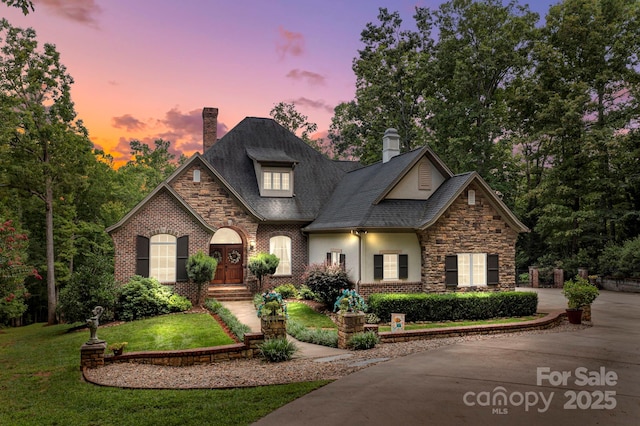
[
  {"x": 306, "y": 316},
  {"x": 41, "y": 383},
  {"x": 168, "y": 332}
]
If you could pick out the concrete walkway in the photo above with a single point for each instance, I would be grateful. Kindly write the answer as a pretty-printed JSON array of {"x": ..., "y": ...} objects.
[
  {"x": 246, "y": 314},
  {"x": 589, "y": 376}
]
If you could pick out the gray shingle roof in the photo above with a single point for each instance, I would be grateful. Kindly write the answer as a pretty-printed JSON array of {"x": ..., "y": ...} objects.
[{"x": 315, "y": 176}]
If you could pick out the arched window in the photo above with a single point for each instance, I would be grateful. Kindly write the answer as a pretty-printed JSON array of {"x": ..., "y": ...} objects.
[
  {"x": 163, "y": 258},
  {"x": 281, "y": 247}
]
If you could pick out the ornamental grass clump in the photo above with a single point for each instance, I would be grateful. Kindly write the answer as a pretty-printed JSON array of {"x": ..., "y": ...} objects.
[
  {"x": 362, "y": 341},
  {"x": 278, "y": 350}
]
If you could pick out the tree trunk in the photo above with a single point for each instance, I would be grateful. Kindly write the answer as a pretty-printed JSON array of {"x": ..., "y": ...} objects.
[{"x": 51, "y": 281}]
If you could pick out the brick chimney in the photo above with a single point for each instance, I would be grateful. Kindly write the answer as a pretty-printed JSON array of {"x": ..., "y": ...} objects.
[
  {"x": 209, "y": 127},
  {"x": 390, "y": 144}
]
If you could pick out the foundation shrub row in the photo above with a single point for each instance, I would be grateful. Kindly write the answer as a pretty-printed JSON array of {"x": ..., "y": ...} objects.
[{"x": 454, "y": 306}]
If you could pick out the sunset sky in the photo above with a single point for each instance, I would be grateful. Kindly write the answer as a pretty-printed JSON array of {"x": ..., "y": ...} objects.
[{"x": 144, "y": 69}]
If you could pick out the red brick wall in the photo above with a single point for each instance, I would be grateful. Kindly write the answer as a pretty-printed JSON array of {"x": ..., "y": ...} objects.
[
  {"x": 463, "y": 229},
  {"x": 163, "y": 214},
  {"x": 299, "y": 251}
]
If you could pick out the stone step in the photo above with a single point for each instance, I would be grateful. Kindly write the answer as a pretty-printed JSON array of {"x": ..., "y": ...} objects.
[{"x": 229, "y": 293}]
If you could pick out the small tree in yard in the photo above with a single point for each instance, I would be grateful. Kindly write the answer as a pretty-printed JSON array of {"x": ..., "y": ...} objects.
[
  {"x": 263, "y": 264},
  {"x": 201, "y": 269}
]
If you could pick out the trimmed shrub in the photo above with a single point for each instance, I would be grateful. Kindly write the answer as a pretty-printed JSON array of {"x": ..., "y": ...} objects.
[
  {"x": 327, "y": 282},
  {"x": 454, "y": 306},
  {"x": 89, "y": 286},
  {"x": 362, "y": 341},
  {"x": 200, "y": 270},
  {"x": 235, "y": 326},
  {"x": 262, "y": 265},
  {"x": 146, "y": 297},
  {"x": 278, "y": 350},
  {"x": 305, "y": 293},
  {"x": 287, "y": 291}
]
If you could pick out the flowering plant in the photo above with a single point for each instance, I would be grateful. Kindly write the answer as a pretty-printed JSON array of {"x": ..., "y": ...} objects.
[
  {"x": 350, "y": 301},
  {"x": 272, "y": 304}
]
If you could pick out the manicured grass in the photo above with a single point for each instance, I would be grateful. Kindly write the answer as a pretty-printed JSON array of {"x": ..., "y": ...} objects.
[
  {"x": 306, "y": 316},
  {"x": 168, "y": 332},
  {"x": 461, "y": 323},
  {"x": 41, "y": 383}
]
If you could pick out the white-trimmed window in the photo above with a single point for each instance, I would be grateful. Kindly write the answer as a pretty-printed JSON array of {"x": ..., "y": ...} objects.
[
  {"x": 163, "y": 257},
  {"x": 390, "y": 266},
  {"x": 471, "y": 269},
  {"x": 273, "y": 180},
  {"x": 281, "y": 247}
]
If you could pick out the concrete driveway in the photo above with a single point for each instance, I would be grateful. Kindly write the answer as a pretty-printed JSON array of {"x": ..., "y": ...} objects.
[{"x": 586, "y": 377}]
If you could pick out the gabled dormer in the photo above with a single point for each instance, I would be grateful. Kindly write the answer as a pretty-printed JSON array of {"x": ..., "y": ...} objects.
[{"x": 274, "y": 171}]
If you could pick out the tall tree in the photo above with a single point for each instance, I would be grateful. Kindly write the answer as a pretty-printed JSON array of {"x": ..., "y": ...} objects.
[
  {"x": 25, "y": 5},
  {"x": 483, "y": 47},
  {"x": 389, "y": 89},
  {"x": 289, "y": 117},
  {"x": 44, "y": 147}
]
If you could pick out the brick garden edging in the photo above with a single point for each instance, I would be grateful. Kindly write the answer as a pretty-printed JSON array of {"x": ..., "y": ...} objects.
[
  {"x": 550, "y": 320},
  {"x": 181, "y": 358}
]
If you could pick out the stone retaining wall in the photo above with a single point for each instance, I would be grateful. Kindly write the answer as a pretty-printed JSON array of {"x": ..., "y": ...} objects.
[
  {"x": 551, "y": 320},
  {"x": 627, "y": 284},
  {"x": 181, "y": 358}
]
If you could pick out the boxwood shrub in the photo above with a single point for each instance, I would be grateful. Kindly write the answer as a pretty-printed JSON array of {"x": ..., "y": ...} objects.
[{"x": 454, "y": 306}]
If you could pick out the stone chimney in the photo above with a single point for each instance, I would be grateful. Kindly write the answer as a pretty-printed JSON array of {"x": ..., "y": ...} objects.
[
  {"x": 390, "y": 144},
  {"x": 209, "y": 127}
]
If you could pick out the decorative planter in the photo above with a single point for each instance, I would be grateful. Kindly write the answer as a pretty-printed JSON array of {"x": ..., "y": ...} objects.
[
  {"x": 273, "y": 326},
  {"x": 574, "y": 316},
  {"x": 349, "y": 323}
]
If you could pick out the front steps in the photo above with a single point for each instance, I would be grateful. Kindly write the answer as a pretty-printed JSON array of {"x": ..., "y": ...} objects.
[{"x": 229, "y": 292}]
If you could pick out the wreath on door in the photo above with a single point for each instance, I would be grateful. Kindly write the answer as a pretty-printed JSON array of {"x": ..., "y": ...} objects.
[{"x": 234, "y": 256}]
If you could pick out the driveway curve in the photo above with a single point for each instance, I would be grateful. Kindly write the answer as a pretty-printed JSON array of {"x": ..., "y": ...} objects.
[{"x": 588, "y": 377}]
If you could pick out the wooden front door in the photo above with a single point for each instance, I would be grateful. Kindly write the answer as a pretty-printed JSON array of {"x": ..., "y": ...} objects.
[{"x": 230, "y": 259}]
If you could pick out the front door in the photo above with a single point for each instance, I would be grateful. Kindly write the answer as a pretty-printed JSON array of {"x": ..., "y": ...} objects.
[{"x": 230, "y": 261}]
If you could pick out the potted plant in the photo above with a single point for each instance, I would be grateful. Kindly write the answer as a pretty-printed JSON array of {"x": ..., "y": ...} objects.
[
  {"x": 580, "y": 294},
  {"x": 117, "y": 348},
  {"x": 350, "y": 302},
  {"x": 273, "y": 315}
]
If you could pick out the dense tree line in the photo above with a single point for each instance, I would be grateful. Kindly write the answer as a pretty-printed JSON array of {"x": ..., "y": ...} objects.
[{"x": 545, "y": 110}]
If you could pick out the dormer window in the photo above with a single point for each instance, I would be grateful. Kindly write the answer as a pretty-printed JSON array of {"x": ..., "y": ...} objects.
[{"x": 274, "y": 171}]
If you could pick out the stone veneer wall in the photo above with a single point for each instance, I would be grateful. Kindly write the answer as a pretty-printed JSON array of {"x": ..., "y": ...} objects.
[
  {"x": 299, "y": 251},
  {"x": 467, "y": 228}
]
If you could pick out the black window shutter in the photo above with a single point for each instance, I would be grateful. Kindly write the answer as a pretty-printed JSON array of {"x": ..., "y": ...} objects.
[
  {"x": 142, "y": 256},
  {"x": 377, "y": 267},
  {"x": 329, "y": 258},
  {"x": 182, "y": 255},
  {"x": 343, "y": 261},
  {"x": 493, "y": 271},
  {"x": 451, "y": 270},
  {"x": 403, "y": 266}
]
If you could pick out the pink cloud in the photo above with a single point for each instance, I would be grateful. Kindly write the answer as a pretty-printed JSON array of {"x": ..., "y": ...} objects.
[
  {"x": 313, "y": 78},
  {"x": 81, "y": 11},
  {"x": 289, "y": 43},
  {"x": 319, "y": 104},
  {"x": 128, "y": 122}
]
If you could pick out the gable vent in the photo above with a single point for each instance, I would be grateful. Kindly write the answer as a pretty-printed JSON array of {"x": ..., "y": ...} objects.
[{"x": 424, "y": 176}]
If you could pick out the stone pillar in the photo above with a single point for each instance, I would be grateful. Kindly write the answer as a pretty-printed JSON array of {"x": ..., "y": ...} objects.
[
  {"x": 534, "y": 280},
  {"x": 558, "y": 278},
  {"x": 349, "y": 324},
  {"x": 274, "y": 327},
  {"x": 583, "y": 273},
  {"x": 92, "y": 355},
  {"x": 586, "y": 313}
]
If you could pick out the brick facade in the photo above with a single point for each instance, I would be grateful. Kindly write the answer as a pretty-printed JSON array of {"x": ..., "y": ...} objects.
[
  {"x": 465, "y": 228},
  {"x": 162, "y": 214},
  {"x": 299, "y": 251}
]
